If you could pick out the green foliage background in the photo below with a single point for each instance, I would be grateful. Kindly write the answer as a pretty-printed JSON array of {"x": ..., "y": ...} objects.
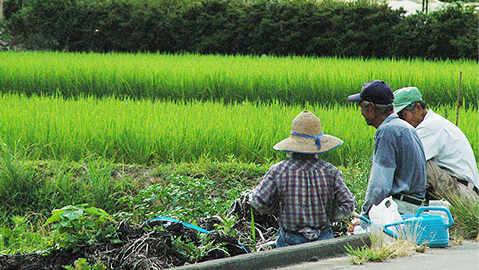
[{"x": 299, "y": 27}]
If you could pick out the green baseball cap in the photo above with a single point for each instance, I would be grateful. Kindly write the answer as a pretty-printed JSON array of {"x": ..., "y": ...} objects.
[{"x": 405, "y": 96}]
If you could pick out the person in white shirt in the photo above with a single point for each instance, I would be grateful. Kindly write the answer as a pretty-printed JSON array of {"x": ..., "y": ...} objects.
[{"x": 451, "y": 164}]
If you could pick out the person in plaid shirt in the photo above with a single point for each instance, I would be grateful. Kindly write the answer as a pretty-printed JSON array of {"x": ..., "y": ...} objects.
[{"x": 306, "y": 193}]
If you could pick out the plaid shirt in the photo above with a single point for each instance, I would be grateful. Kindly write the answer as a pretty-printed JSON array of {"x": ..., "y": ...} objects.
[{"x": 305, "y": 192}]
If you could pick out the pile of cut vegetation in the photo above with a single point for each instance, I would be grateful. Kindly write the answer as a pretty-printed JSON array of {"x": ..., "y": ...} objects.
[{"x": 151, "y": 245}]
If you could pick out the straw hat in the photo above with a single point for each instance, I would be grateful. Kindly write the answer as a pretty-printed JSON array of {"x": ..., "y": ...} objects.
[{"x": 307, "y": 136}]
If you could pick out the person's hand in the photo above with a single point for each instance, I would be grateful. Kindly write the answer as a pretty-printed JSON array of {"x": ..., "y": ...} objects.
[{"x": 352, "y": 224}]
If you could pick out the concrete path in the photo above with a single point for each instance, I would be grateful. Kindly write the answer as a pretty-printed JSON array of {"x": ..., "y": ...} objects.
[
  {"x": 331, "y": 254},
  {"x": 461, "y": 257}
]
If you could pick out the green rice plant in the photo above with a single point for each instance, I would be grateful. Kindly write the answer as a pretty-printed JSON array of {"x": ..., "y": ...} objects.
[
  {"x": 173, "y": 132},
  {"x": 291, "y": 80},
  {"x": 53, "y": 128}
]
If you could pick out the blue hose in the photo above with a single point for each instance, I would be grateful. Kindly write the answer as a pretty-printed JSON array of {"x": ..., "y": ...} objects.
[{"x": 189, "y": 226}]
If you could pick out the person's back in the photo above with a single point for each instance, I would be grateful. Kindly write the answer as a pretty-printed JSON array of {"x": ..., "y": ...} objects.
[
  {"x": 398, "y": 162},
  {"x": 306, "y": 193},
  {"x": 409, "y": 176},
  {"x": 448, "y": 147},
  {"x": 306, "y": 190},
  {"x": 451, "y": 164},
  {"x": 399, "y": 157}
]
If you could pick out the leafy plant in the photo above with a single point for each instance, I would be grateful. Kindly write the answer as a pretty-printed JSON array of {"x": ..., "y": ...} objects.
[
  {"x": 75, "y": 226},
  {"x": 227, "y": 225},
  {"x": 82, "y": 264},
  {"x": 181, "y": 197},
  {"x": 195, "y": 251}
]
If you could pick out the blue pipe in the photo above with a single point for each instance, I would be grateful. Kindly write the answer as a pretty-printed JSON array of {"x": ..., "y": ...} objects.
[{"x": 189, "y": 226}]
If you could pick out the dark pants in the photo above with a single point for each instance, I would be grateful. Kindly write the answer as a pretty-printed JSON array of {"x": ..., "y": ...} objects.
[{"x": 288, "y": 238}]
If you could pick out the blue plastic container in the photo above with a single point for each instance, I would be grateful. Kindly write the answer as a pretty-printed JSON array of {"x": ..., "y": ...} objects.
[{"x": 430, "y": 230}]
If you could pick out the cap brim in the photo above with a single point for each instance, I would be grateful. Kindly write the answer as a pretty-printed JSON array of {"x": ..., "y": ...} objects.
[
  {"x": 355, "y": 97},
  {"x": 303, "y": 145},
  {"x": 401, "y": 107}
]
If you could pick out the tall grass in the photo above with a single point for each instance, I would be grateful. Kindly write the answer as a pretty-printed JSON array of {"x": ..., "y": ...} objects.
[
  {"x": 291, "y": 80},
  {"x": 145, "y": 131},
  {"x": 27, "y": 186}
]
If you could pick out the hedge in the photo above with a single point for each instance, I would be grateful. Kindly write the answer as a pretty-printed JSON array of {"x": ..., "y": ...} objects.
[{"x": 298, "y": 27}]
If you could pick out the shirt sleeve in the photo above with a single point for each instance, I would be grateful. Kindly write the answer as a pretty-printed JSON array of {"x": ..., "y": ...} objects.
[
  {"x": 382, "y": 173},
  {"x": 344, "y": 200},
  {"x": 263, "y": 197}
]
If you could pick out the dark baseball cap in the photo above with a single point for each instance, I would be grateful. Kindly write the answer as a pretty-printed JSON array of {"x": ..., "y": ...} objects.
[{"x": 375, "y": 91}]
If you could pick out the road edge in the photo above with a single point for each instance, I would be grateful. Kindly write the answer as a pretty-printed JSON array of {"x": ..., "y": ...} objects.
[{"x": 285, "y": 256}]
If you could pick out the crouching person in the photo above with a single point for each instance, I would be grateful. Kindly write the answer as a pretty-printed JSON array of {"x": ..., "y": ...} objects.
[{"x": 306, "y": 193}]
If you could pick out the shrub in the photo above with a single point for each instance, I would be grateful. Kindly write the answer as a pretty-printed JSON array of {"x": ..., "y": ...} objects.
[{"x": 298, "y": 27}]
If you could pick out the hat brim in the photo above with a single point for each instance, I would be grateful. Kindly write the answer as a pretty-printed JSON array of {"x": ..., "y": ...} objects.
[
  {"x": 304, "y": 145},
  {"x": 355, "y": 97},
  {"x": 400, "y": 107}
]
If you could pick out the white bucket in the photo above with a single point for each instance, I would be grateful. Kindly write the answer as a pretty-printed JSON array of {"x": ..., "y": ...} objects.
[{"x": 439, "y": 203}]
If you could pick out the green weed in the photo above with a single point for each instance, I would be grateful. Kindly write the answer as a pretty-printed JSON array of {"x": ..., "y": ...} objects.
[
  {"x": 466, "y": 216},
  {"x": 21, "y": 238},
  {"x": 82, "y": 264},
  {"x": 180, "y": 197},
  {"x": 196, "y": 251},
  {"x": 100, "y": 188},
  {"x": 75, "y": 226},
  {"x": 20, "y": 188}
]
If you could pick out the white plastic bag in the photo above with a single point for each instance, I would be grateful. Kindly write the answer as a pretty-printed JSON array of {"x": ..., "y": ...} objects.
[{"x": 385, "y": 213}]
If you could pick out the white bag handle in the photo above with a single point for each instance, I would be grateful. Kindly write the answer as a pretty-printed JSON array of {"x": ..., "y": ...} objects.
[{"x": 385, "y": 212}]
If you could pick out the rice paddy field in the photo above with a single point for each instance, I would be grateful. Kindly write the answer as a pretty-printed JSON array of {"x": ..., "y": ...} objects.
[
  {"x": 290, "y": 80},
  {"x": 146, "y": 108},
  {"x": 145, "y": 132}
]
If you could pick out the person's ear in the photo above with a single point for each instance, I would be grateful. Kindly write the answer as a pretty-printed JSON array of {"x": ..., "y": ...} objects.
[{"x": 417, "y": 108}]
